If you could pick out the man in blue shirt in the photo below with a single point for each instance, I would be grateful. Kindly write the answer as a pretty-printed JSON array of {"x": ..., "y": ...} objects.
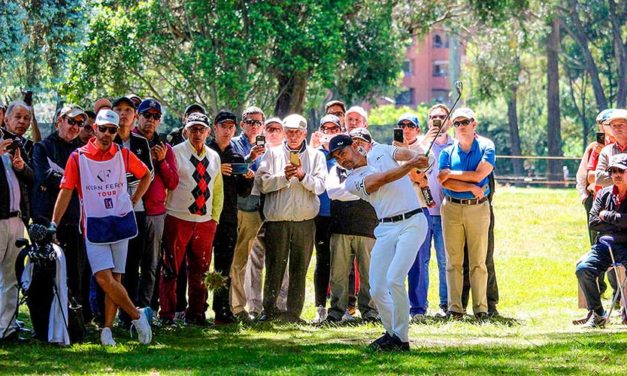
[{"x": 464, "y": 169}]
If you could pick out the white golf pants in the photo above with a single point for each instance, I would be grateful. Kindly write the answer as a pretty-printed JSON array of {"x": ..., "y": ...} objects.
[
  {"x": 10, "y": 230},
  {"x": 393, "y": 255}
]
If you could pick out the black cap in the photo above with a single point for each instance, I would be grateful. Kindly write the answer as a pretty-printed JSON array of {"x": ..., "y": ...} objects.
[
  {"x": 197, "y": 118},
  {"x": 195, "y": 107},
  {"x": 224, "y": 115},
  {"x": 121, "y": 100},
  {"x": 338, "y": 142}
]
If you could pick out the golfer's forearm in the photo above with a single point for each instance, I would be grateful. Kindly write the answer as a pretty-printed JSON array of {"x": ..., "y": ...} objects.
[
  {"x": 63, "y": 200},
  {"x": 375, "y": 181}
]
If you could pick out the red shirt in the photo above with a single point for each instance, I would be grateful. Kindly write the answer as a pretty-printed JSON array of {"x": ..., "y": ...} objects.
[{"x": 71, "y": 178}]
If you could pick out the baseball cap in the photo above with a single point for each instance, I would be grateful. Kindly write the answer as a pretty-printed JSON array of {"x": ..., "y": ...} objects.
[
  {"x": 121, "y": 100},
  {"x": 72, "y": 111},
  {"x": 335, "y": 103},
  {"x": 295, "y": 121},
  {"x": 223, "y": 116},
  {"x": 197, "y": 118},
  {"x": 107, "y": 117},
  {"x": 195, "y": 107},
  {"x": 619, "y": 161},
  {"x": 362, "y": 134},
  {"x": 603, "y": 115},
  {"x": 466, "y": 113},
  {"x": 100, "y": 103},
  {"x": 149, "y": 104},
  {"x": 338, "y": 142},
  {"x": 330, "y": 119},
  {"x": 135, "y": 98},
  {"x": 273, "y": 120},
  {"x": 407, "y": 116},
  {"x": 617, "y": 114},
  {"x": 358, "y": 110}
]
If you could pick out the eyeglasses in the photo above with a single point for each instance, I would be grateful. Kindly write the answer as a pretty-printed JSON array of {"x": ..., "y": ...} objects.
[
  {"x": 73, "y": 122},
  {"x": 256, "y": 123},
  {"x": 334, "y": 129},
  {"x": 148, "y": 115},
  {"x": 196, "y": 129},
  {"x": 273, "y": 130},
  {"x": 339, "y": 114},
  {"x": 110, "y": 130},
  {"x": 613, "y": 171},
  {"x": 408, "y": 125},
  {"x": 462, "y": 123}
]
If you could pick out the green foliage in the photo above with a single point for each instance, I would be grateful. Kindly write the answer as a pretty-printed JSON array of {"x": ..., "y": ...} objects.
[{"x": 389, "y": 114}]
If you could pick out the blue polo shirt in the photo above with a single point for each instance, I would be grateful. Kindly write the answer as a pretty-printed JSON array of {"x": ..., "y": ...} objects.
[
  {"x": 455, "y": 159},
  {"x": 325, "y": 202}
]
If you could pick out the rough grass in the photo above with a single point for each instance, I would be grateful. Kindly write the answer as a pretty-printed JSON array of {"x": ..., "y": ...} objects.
[{"x": 540, "y": 234}]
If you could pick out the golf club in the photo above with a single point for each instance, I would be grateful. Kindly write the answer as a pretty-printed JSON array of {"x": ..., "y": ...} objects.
[{"x": 458, "y": 87}]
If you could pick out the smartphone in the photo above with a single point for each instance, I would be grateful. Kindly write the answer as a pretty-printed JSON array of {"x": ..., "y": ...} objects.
[
  {"x": 12, "y": 147},
  {"x": 294, "y": 158},
  {"x": 28, "y": 97},
  {"x": 398, "y": 134},
  {"x": 601, "y": 138},
  {"x": 437, "y": 123},
  {"x": 239, "y": 168},
  {"x": 260, "y": 140}
]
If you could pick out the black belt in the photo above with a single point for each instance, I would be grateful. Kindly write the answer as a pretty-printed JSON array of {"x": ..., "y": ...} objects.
[
  {"x": 469, "y": 201},
  {"x": 401, "y": 217},
  {"x": 14, "y": 214}
]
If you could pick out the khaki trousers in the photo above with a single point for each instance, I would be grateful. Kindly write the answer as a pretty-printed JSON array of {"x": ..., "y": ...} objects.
[
  {"x": 466, "y": 224},
  {"x": 248, "y": 224}
]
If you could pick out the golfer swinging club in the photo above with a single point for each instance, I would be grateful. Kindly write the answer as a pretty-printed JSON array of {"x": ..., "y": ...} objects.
[
  {"x": 98, "y": 172},
  {"x": 378, "y": 179}
]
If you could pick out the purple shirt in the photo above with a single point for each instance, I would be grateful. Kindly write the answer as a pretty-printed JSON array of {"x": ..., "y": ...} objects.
[{"x": 436, "y": 188}]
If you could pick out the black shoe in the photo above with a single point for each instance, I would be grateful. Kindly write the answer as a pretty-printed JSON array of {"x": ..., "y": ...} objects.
[
  {"x": 454, "y": 316},
  {"x": 395, "y": 344},
  {"x": 165, "y": 322},
  {"x": 292, "y": 319},
  {"x": 225, "y": 320},
  {"x": 266, "y": 317},
  {"x": 331, "y": 321},
  {"x": 377, "y": 343},
  {"x": 197, "y": 321},
  {"x": 243, "y": 317},
  {"x": 482, "y": 317}
]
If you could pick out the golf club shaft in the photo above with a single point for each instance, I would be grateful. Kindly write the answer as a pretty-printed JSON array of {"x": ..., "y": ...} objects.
[{"x": 459, "y": 87}]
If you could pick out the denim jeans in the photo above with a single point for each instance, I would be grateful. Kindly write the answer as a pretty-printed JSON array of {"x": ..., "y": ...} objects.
[
  {"x": 418, "y": 276},
  {"x": 593, "y": 264},
  {"x": 440, "y": 255}
]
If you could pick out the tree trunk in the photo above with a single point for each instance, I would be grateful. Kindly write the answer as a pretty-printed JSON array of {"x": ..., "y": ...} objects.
[
  {"x": 291, "y": 96},
  {"x": 620, "y": 53},
  {"x": 553, "y": 101},
  {"x": 514, "y": 135}
]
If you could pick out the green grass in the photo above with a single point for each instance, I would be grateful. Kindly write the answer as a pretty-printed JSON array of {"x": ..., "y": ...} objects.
[{"x": 540, "y": 234}]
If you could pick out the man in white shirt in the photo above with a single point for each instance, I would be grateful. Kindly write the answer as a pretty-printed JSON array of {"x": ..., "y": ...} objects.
[{"x": 378, "y": 178}]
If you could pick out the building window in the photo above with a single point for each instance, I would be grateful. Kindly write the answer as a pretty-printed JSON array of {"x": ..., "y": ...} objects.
[
  {"x": 406, "y": 97},
  {"x": 440, "y": 68},
  {"x": 408, "y": 67},
  {"x": 439, "y": 95},
  {"x": 440, "y": 41}
]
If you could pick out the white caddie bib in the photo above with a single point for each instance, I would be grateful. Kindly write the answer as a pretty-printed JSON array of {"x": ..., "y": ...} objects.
[{"x": 107, "y": 206}]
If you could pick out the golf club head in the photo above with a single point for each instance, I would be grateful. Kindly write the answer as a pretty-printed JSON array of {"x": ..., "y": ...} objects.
[{"x": 459, "y": 86}]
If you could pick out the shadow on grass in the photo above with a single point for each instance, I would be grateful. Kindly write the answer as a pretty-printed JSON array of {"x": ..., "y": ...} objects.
[{"x": 232, "y": 350}]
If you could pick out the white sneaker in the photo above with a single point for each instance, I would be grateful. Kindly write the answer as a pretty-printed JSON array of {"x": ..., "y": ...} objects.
[
  {"x": 347, "y": 317},
  {"x": 106, "y": 337},
  {"x": 142, "y": 325},
  {"x": 321, "y": 316}
]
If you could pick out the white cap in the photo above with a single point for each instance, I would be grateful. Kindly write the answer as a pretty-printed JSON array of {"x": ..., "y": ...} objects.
[
  {"x": 107, "y": 117},
  {"x": 295, "y": 121},
  {"x": 358, "y": 110},
  {"x": 619, "y": 113},
  {"x": 466, "y": 113}
]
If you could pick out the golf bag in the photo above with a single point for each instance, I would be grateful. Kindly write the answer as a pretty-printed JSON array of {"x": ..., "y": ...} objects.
[{"x": 40, "y": 269}]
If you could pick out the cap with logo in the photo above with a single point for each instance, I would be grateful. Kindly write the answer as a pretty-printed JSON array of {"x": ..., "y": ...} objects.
[
  {"x": 618, "y": 161},
  {"x": 330, "y": 119},
  {"x": 197, "y": 118},
  {"x": 408, "y": 117},
  {"x": 617, "y": 114},
  {"x": 603, "y": 115},
  {"x": 362, "y": 134},
  {"x": 149, "y": 104},
  {"x": 107, "y": 117},
  {"x": 295, "y": 121},
  {"x": 126, "y": 100},
  {"x": 72, "y": 111},
  {"x": 358, "y": 110},
  {"x": 338, "y": 142},
  {"x": 466, "y": 113}
]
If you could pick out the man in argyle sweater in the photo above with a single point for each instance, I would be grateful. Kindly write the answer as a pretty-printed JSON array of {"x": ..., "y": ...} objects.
[{"x": 193, "y": 210}]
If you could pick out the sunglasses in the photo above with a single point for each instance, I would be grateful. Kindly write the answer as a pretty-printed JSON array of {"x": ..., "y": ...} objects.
[
  {"x": 408, "y": 125},
  {"x": 441, "y": 117},
  {"x": 148, "y": 116},
  {"x": 613, "y": 171},
  {"x": 274, "y": 129},
  {"x": 334, "y": 129},
  {"x": 256, "y": 123},
  {"x": 110, "y": 130},
  {"x": 73, "y": 122},
  {"x": 196, "y": 129},
  {"x": 462, "y": 123},
  {"x": 339, "y": 114}
]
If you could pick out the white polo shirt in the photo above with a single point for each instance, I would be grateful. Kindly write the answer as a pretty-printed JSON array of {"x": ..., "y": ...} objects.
[{"x": 397, "y": 197}]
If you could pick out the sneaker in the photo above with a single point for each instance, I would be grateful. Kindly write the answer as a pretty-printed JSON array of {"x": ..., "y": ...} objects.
[
  {"x": 454, "y": 316},
  {"x": 347, "y": 317},
  {"x": 196, "y": 321},
  {"x": 351, "y": 310},
  {"x": 376, "y": 344},
  {"x": 179, "y": 316},
  {"x": 243, "y": 317},
  {"x": 440, "y": 314},
  {"x": 106, "y": 337},
  {"x": 321, "y": 315},
  {"x": 254, "y": 315},
  {"x": 595, "y": 321},
  {"x": 165, "y": 322},
  {"x": 142, "y": 326},
  {"x": 418, "y": 318},
  {"x": 371, "y": 316},
  {"x": 481, "y": 317},
  {"x": 583, "y": 320},
  {"x": 396, "y": 344}
]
